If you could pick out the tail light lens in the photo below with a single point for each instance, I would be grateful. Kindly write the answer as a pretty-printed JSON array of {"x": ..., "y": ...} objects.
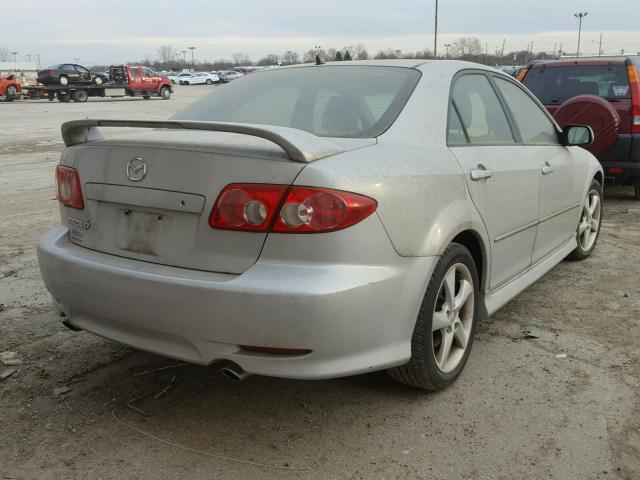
[
  {"x": 634, "y": 85},
  {"x": 523, "y": 73},
  {"x": 315, "y": 210},
  {"x": 69, "y": 189},
  {"x": 283, "y": 209},
  {"x": 250, "y": 207}
]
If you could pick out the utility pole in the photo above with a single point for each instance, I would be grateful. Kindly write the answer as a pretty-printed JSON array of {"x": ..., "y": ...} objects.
[
  {"x": 504, "y": 41},
  {"x": 14, "y": 57},
  {"x": 184, "y": 57},
  {"x": 193, "y": 65},
  {"x": 579, "y": 16},
  {"x": 446, "y": 47},
  {"x": 554, "y": 49},
  {"x": 38, "y": 57},
  {"x": 600, "y": 46},
  {"x": 526, "y": 58},
  {"x": 560, "y": 51},
  {"x": 486, "y": 53},
  {"x": 435, "y": 33}
]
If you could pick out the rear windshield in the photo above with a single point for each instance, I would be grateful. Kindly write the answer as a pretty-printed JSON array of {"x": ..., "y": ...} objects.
[
  {"x": 328, "y": 101},
  {"x": 557, "y": 84}
]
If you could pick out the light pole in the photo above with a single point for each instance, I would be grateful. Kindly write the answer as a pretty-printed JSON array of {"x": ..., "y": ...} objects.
[
  {"x": 446, "y": 49},
  {"x": 184, "y": 57},
  {"x": 579, "y": 16},
  {"x": 192, "y": 63},
  {"x": 14, "y": 57},
  {"x": 435, "y": 33},
  {"x": 29, "y": 57}
]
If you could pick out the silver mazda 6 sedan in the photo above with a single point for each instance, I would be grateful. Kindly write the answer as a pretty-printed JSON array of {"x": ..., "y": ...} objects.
[{"x": 321, "y": 221}]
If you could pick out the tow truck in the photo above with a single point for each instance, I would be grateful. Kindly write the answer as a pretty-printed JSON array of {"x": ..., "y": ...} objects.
[{"x": 124, "y": 81}]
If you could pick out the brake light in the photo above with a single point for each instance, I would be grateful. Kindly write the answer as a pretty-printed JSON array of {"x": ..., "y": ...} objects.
[
  {"x": 315, "y": 210},
  {"x": 69, "y": 189},
  {"x": 634, "y": 86},
  {"x": 615, "y": 170},
  {"x": 523, "y": 73},
  {"x": 283, "y": 209}
]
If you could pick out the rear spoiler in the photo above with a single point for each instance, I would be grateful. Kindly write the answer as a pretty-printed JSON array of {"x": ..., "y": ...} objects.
[{"x": 299, "y": 145}]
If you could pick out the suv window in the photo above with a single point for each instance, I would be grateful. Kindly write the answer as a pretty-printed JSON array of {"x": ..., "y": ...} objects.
[
  {"x": 555, "y": 84},
  {"x": 480, "y": 111},
  {"x": 533, "y": 123},
  {"x": 135, "y": 72},
  {"x": 148, "y": 72}
]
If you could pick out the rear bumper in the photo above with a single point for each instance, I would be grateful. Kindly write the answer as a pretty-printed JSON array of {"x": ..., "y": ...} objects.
[
  {"x": 354, "y": 318},
  {"x": 622, "y": 173}
]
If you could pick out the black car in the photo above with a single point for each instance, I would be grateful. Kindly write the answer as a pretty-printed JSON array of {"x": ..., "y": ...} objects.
[{"x": 66, "y": 73}]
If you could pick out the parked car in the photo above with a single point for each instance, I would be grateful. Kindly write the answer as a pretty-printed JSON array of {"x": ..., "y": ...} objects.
[
  {"x": 227, "y": 75},
  {"x": 173, "y": 76},
  {"x": 10, "y": 88},
  {"x": 200, "y": 78},
  {"x": 556, "y": 83},
  {"x": 316, "y": 222},
  {"x": 69, "y": 73}
]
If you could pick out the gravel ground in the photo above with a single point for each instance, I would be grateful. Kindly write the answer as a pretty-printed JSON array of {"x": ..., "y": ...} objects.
[{"x": 517, "y": 412}]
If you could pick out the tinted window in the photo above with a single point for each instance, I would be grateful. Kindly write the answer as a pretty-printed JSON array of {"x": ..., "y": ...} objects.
[
  {"x": 148, "y": 72},
  {"x": 135, "y": 72},
  {"x": 68, "y": 68},
  {"x": 329, "y": 101},
  {"x": 557, "y": 84},
  {"x": 82, "y": 70},
  {"x": 455, "y": 132},
  {"x": 533, "y": 123},
  {"x": 480, "y": 111}
]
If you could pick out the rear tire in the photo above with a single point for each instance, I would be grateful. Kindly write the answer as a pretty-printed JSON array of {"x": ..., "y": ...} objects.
[
  {"x": 80, "y": 96},
  {"x": 63, "y": 97},
  {"x": 209, "y": 81},
  {"x": 63, "y": 80},
  {"x": 146, "y": 97},
  {"x": 589, "y": 225},
  {"x": 448, "y": 316},
  {"x": 11, "y": 93}
]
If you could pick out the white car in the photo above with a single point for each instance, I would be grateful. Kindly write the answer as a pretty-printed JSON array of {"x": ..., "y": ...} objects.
[
  {"x": 228, "y": 75},
  {"x": 321, "y": 221},
  {"x": 200, "y": 78}
]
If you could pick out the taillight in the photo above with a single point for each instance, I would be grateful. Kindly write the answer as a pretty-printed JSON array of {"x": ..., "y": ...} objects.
[
  {"x": 247, "y": 207},
  {"x": 523, "y": 73},
  {"x": 315, "y": 210},
  {"x": 283, "y": 209},
  {"x": 634, "y": 86},
  {"x": 69, "y": 189}
]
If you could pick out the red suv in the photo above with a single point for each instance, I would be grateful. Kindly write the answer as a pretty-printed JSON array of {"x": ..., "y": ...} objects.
[{"x": 613, "y": 79}]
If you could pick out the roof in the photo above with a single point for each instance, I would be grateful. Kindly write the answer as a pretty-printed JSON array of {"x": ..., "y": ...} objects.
[{"x": 407, "y": 63}]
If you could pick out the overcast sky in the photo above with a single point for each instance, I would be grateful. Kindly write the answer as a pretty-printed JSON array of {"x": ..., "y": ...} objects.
[{"x": 130, "y": 30}]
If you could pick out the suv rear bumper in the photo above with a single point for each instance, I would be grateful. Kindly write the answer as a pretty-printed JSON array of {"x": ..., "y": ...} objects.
[
  {"x": 629, "y": 174},
  {"x": 353, "y": 318}
]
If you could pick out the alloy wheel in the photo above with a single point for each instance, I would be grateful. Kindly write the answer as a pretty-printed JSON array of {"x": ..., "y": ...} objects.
[
  {"x": 453, "y": 317},
  {"x": 590, "y": 220}
]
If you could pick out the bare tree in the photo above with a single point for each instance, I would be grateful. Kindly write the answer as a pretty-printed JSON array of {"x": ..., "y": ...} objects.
[
  {"x": 270, "y": 59},
  {"x": 310, "y": 55},
  {"x": 4, "y": 54},
  {"x": 240, "y": 58},
  {"x": 465, "y": 47},
  {"x": 388, "y": 54},
  {"x": 166, "y": 54},
  {"x": 357, "y": 51},
  {"x": 289, "y": 57}
]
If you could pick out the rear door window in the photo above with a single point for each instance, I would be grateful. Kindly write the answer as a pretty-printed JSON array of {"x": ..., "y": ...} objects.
[
  {"x": 555, "y": 84},
  {"x": 534, "y": 125},
  {"x": 481, "y": 113}
]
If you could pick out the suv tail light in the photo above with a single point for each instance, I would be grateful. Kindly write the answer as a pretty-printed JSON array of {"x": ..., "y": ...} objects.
[
  {"x": 522, "y": 74},
  {"x": 69, "y": 189},
  {"x": 634, "y": 85},
  {"x": 283, "y": 209}
]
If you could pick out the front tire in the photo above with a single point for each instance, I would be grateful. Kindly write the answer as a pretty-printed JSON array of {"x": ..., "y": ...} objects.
[
  {"x": 443, "y": 334},
  {"x": 165, "y": 93},
  {"x": 589, "y": 224},
  {"x": 80, "y": 96},
  {"x": 98, "y": 80},
  {"x": 11, "y": 93}
]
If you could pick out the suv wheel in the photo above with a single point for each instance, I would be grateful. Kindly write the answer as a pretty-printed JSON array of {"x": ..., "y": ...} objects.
[
  {"x": 589, "y": 225},
  {"x": 446, "y": 323}
]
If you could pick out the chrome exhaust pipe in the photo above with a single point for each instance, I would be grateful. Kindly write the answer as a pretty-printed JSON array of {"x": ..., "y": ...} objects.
[{"x": 233, "y": 372}]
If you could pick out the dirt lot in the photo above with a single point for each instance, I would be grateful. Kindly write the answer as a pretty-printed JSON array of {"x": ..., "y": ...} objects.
[{"x": 518, "y": 411}]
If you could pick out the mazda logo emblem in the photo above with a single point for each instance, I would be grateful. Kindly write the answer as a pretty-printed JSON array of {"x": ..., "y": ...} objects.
[{"x": 136, "y": 169}]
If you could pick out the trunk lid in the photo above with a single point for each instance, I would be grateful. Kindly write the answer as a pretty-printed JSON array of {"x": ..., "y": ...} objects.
[{"x": 160, "y": 212}]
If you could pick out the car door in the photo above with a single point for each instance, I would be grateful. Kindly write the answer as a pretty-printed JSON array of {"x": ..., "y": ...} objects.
[
  {"x": 135, "y": 78},
  {"x": 150, "y": 80},
  {"x": 503, "y": 182},
  {"x": 560, "y": 173},
  {"x": 71, "y": 73},
  {"x": 84, "y": 75}
]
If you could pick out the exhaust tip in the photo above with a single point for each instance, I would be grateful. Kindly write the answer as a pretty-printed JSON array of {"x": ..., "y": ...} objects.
[{"x": 234, "y": 372}]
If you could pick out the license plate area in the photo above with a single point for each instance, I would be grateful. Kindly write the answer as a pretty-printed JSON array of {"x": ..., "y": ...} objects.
[{"x": 141, "y": 232}]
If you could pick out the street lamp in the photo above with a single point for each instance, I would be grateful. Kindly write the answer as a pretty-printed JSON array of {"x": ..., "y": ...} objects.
[
  {"x": 579, "y": 16},
  {"x": 184, "y": 57},
  {"x": 15, "y": 60},
  {"x": 446, "y": 46},
  {"x": 192, "y": 63}
]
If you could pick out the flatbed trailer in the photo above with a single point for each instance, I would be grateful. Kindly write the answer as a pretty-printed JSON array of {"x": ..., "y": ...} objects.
[{"x": 128, "y": 81}]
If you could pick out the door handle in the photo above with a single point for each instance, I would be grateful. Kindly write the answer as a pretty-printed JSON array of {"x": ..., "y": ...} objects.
[
  {"x": 480, "y": 173},
  {"x": 547, "y": 168}
]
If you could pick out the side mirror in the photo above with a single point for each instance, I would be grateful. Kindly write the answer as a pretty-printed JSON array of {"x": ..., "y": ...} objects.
[{"x": 576, "y": 135}]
